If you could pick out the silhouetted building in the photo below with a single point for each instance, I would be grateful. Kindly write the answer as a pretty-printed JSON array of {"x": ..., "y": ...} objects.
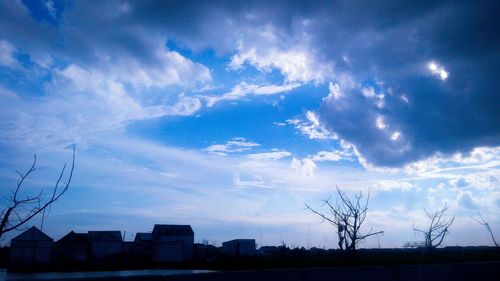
[
  {"x": 32, "y": 248},
  {"x": 172, "y": 243},
  {"x": 104, "y": 244},
  {"x": 167, "y": 243},
  {"x": 72, "y": 247},
  {"x": 143, "y": 245},
  {"x": 239, "y": 247}
]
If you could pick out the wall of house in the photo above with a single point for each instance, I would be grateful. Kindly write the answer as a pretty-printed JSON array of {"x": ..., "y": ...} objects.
[
  {"x": 247, "y": 248},
  {"x": 143, "y": 249},
  {"x": 239, "y": 248},
  {"x": 72, "y": 251},
  {"x": 173, "y": 248},
  {"x": 101, "y": 249},
  {"x": 31, "y": 252}
]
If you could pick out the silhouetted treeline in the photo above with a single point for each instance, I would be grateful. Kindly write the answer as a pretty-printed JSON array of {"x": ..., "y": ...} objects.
[{"x": 299, "y": 257}]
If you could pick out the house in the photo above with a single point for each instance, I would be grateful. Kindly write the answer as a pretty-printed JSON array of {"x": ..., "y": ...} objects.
[
  {"x": 143, "y": 245},
  {"x": 72, "y": 247},
  {"x": 32, "y": 248},
  {"x": 172, "y": 243},
  {"x": 104, "y": 244},
  {"x": 239, "y": 247}
]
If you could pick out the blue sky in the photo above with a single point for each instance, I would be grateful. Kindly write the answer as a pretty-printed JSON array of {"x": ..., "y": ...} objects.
[{"x": 229, "y": 116}]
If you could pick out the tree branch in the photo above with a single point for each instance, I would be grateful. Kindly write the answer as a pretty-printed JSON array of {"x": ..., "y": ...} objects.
[{"x": 19, "y": 206}]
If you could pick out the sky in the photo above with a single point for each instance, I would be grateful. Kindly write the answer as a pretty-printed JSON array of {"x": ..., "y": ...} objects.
[{"x": 230, "y": 116}]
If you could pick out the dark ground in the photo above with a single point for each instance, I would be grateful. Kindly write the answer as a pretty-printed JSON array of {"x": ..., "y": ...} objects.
[
  {"x": 450, "y": 263},
  {"x": 425, "y": 272}
]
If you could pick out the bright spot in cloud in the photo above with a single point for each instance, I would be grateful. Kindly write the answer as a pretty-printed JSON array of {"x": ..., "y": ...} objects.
[
  {"x": 437, "y": 70},
  {"x": 335, "y": 91},
  {"x": 395, "y": 136},
  {"x": 368, "y": 92},
  {"x": 380, "y": 123},
  {"x": 405, "y": 99},
  {"x": 312, "y": 127}
]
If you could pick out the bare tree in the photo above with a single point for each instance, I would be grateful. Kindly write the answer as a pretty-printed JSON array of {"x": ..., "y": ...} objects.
[
  {"x": 438, "y": 228},
  {"x": 20, "y": 209},
  {"x": 347, "y": 215},
  {"x": 481, "y": 221}
]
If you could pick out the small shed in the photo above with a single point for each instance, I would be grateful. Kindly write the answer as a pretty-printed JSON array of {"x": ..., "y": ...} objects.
[
  {"x": 104, "y": 244},
  {"x": 239, "y": 247},
  {"x": 172, "y": 243},
  {"x": 31, "y": 248}
]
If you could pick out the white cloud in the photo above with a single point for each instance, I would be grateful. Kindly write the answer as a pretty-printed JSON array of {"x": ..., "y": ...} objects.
[
  {"x": 255, "y": 182},
  {"x": 312, "y": 127},
  {"x": 379, "y": 122},
  {"x": 7, "y": 51},
  {"x": 244, "y": 89},
  {"x": 82, "y": 102},
  {"x": 95, "y": 92},
  {"x": 185, "y": 106},
  {"x": 480, "y": 159},
  {"x": 273, "y": 155},
  {"x": 265, "y": 49},
  {"x": 49, "y": 5},
  {"x": 293, "y": 121},
  {"x": 336, "y": 155},
  {"x": 465, "y": 200},
  {"x": 6, "y": 93},
  {"x": 334, "y": 91},
  {"x": 437, "y": 70},
  {"x": 395, "y": 136},
  {"x": 232, "y": 146},
  {"x": 459, "y": 182},
  {"x": 304, "y": 167},
  {"x": 405, "y": 99},
  {"x": 171, "y": 68},
  {"x": 368, "y": 92},
  {"x": 387, "y": 185}
]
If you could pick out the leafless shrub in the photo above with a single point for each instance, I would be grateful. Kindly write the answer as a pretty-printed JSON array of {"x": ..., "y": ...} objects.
[
  {"x": 438, "y": 228},
  {"x": 481, "y": 221}
]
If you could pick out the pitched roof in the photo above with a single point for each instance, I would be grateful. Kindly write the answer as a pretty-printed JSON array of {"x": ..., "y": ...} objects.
[
  {"x": 105, "y": 236},
  {"x": 172, "y": 230},
  {"x": 32, "y": 234},
  {"x": 74, "y": 237},
  {"x": 240, "y": 241},
  {"x": 143, "y": 236}
]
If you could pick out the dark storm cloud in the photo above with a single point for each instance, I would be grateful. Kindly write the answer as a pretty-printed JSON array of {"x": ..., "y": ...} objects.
[
  {"x": 441, "y": 116},
  {"x": 89, "y": 33}
]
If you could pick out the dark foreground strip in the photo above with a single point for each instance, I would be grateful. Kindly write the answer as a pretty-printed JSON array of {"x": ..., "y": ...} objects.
[{"x": 459, "y": 271}]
